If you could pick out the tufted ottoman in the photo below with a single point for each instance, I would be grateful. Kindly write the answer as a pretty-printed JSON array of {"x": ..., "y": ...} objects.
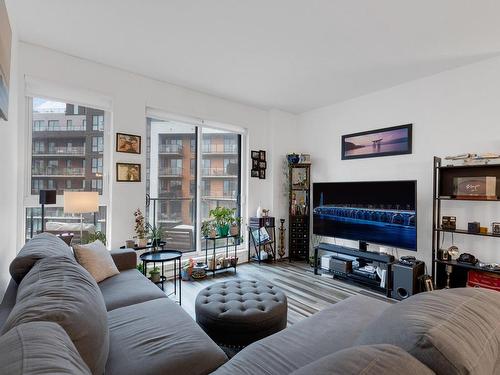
[{"x": 238, "y": 312}]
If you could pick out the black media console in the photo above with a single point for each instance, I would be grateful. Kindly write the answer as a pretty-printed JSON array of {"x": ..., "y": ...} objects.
[{"x": 368, "y": 256}]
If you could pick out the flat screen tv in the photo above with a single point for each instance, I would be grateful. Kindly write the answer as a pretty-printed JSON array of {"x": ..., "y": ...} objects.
[{"x": 378, "y": 212}]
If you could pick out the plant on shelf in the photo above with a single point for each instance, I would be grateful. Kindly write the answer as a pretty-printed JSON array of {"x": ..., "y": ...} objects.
[
  {"x": 140, "y": 268},
  {"x": 235, "y": 226},
  {"x": 155, "y": 234},
  {"x": 187, "y": 269},
  {"x": 208, "y": 229},
  {"x": 223, "y": 217},
  {"x": 140, "y": 228},
  {"x": 91, "y": 237},
  {"x": 154, "y": 274}
]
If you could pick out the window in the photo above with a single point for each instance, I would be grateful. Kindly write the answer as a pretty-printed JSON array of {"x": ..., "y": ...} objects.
[
  {"x": 98, "y": 123},
  {"x": 58, "y": 160},
  {"x": 96, "y": 165},
  {"x": 84, "y": 124},
  {"x": 172, "y": 178},
  {"x": 97, "y": 144}
]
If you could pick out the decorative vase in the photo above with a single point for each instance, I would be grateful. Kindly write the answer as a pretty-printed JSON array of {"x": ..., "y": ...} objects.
[
  {"x": 293, "y": 158},
  {"x": 129, "y": 244},
  {"x": 186, "y": 274},
  {"x": 259, "y": 211}
]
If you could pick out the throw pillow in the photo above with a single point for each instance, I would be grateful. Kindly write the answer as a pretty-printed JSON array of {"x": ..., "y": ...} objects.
[
  {"x": 41, "y": 246},
  {"x": 96, "y": 259},
  {"x": 452, "y": 331},
  {"x": 59, "y": 290},
  {"x": 39, "y": 348}
]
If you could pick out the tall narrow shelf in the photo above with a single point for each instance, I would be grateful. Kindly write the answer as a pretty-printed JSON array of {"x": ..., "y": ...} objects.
[
  {"x": 299, "y": 206},
  {"x": 443, "y": 190}
]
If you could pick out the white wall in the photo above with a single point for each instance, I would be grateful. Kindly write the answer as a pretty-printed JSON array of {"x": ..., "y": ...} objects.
[
  {"x": 8, "y": 171},
  {"x": 453, "y": 112},
  {"x": 131, "y": 94}
]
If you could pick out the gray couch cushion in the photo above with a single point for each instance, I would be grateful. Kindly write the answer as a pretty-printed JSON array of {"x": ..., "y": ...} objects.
[
  {"x": 60, "y": 290},
  {"x": 326, "y": 332},
  {"x": 41, "y": 246},
  {"x": 454, "y": 331},
  {"x": 158, "y": 337},
  {"x": 366, "y": 360},
  {"x": 127, "y": 288},
  {"x": 39, "y": 348}
]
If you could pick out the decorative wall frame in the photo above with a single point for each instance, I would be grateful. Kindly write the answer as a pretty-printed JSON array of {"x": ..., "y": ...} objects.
[
  {"x": 259, "y": 164},
  {"x": 128, "y": 143},
  {"x": 128, "y": 172}
]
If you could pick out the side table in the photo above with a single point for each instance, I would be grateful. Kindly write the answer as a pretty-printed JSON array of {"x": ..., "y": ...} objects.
[{"x": 164, "y": 256}]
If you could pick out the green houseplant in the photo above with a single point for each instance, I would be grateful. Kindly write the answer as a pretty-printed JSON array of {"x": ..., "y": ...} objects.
[
  {"x": 91, "y": 237},
  {"x": 155, "y": 234},
  {"x": 140, "y": 228},
  {"x": 223, "y": 217},
  {"x": 208, "y": 229},
  {"x": 154, "y": 274}
]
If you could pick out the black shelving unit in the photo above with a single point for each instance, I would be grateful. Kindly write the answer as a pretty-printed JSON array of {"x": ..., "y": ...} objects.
[
  {"x": 256, "y": 242},
  {"x": 443, "y": 191},
  {"x": 226, "y": 248},
  {"x": 299, "y": 207}
]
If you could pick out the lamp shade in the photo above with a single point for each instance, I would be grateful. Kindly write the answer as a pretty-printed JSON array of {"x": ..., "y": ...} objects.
[{"x": 80, "y": 202}]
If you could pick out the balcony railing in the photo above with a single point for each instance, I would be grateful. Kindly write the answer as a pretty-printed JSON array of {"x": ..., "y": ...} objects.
[
  {"x": 170, "y": 149},
  {"x": 170, "y": 172},
  {"x": 216, "y": 172},
  {"x": 49, "y": 171},
  {"x": 219, "y": 149},
  {"x": 58, "y": 128},
  {"x": 61, "y": 150}
]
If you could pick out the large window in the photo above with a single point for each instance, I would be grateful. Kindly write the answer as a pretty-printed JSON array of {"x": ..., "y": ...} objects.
[
  {"x": 61, "y": 160},
  {"x": 173, "y": 176}
]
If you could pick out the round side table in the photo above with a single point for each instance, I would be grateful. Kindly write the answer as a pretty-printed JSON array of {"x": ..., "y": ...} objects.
[{"x": 164, "y": 256}]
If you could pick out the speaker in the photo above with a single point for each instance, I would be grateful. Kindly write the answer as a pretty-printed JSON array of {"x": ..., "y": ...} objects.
[
  {"x": 405, "y": 279},
  {"x": 47, "y": 197}
]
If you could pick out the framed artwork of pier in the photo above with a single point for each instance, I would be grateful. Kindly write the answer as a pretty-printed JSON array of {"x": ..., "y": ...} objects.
[{"x": 395, "y": 140}]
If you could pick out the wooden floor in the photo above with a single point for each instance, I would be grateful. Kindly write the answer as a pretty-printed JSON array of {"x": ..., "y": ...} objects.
[{"x": 307, "y": 293}]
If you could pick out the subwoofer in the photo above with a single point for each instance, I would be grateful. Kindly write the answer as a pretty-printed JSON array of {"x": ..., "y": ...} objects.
[{"x": 405, "y": 279}]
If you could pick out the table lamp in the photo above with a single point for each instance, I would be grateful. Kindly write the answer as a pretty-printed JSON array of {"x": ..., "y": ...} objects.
[
  {"x": 81, "y": 202},
  {"x": 46, "y": 197}
]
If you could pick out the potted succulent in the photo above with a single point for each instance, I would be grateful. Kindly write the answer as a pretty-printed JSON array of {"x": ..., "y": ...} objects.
[
  {"x": 223, "y": 217},
  {"x": 208, "y": 229},
  {"x": 154, "y": 235},
  {"x": 140, "y": 229},
  {"x": 187, "y": 269},
  {"x": 154, "y": 274}
]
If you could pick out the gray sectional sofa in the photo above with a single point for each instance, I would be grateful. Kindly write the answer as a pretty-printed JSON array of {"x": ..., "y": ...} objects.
[
  {"x": 55, "y": 319},
  {"x": 123, "y": 325}
]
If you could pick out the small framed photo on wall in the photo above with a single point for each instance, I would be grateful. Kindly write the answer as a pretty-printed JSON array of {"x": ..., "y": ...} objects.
[
  {"x": 128, "y": 172},
  {"x": 128, "y": 143},
  {"x": 255, "y": 173},
  {"x": 262, "y": 174},
  {"x": 262, "y": 155},
  {"x": 255, "y": 154}
]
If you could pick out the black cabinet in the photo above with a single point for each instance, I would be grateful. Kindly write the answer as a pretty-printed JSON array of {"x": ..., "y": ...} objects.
[{"x": 299, "y": 207}]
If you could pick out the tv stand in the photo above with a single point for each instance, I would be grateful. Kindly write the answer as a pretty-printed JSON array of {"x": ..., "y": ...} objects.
[
  {"x": 363, "y": 246},
  {"x": 368, "y": 256}
]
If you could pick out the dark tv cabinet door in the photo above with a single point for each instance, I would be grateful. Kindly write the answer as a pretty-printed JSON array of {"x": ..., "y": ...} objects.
[{"x": 299, "y": 211}]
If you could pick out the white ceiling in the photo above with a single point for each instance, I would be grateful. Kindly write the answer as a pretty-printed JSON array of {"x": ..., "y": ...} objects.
[{"x": 293, "y": 55}]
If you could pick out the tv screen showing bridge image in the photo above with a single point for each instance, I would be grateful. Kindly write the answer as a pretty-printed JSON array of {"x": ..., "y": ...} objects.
[{"x": 379, "y": 212}]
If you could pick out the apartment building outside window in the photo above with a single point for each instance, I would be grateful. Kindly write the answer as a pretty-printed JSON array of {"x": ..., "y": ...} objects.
[
  {"x": 61, "y": 161},
  {"x": 98, "y": 122},
  {"x": 172, "y": 176}
]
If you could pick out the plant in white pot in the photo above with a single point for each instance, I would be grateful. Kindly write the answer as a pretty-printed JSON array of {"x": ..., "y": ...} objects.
[{"x": 154, "y": 274}]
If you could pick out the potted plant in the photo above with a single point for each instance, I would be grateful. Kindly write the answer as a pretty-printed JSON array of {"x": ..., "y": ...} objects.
[
  {"x": 223, "y": 217},
  {"x": 208, "y": 229},
  {"x": 91, "y": 237},
  {"x": 235, "y": 226},
  {"x": 140, "y": 229},
  {"x": 154, "y": 235},
  {"x": 154, "y": 274}
]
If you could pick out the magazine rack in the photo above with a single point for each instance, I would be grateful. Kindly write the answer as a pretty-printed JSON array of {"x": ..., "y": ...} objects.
[{"x": 261, "y": 239}]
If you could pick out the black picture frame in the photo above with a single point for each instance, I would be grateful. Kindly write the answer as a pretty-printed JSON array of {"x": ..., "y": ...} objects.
[
  {"x": 125, "y": 173},
  {"x": 125, "y": 143},
  {"x": 262, "y": 155},
  {"x": 254, "y": 173},
  {"x": 391, "y": 148},
  {"x": 262, "y": 174},
  {"x": 255, "y": 154},
  {"x": 255, "y": 163},
  {"x": 262, "y": 165}
]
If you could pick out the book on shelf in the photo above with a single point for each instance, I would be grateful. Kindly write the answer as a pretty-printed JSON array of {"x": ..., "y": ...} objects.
[{"x": 260, "y": 236}]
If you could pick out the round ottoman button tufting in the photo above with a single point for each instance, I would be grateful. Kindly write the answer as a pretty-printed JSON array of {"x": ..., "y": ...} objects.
[{"x": 241, "y": 320}]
